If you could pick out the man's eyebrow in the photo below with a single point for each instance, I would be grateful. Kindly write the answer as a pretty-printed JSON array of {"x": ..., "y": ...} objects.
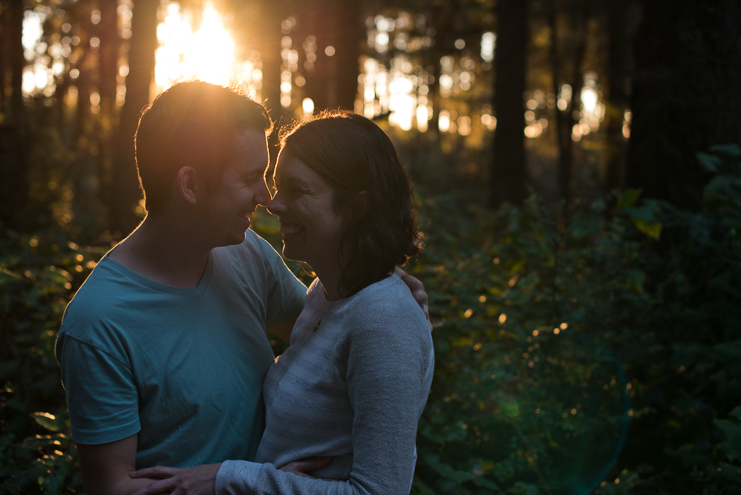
[{"x": 253, "y": 173}]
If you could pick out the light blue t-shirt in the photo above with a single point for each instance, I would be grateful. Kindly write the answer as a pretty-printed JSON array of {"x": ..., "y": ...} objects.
[{"x": 183, "y": 367}]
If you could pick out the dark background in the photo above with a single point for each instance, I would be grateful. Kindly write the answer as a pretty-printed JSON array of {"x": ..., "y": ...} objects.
[{"x": 579, "y": 194}]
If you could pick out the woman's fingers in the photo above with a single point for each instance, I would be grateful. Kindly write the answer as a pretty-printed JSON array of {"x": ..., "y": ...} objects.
[{"x": 157, "y": 472}]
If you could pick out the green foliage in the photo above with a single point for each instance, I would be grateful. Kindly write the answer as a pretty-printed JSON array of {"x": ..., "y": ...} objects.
[
  {"x": 533, "y": 315},
  {"x": 655, "y": 284},
  {"x": 37, "y": 274}
]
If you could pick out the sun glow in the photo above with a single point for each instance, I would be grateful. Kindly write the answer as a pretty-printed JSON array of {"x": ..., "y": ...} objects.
[{"x": 206, "y": 54}]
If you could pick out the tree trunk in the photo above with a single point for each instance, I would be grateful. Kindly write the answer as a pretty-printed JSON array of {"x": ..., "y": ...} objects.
[
  {"x": 572, "y": 113},
  {"x": 685, "y": 95},
  {"x": 565, "y": 119},
  {"x": 125, "y": 193},
  {"x": 109, "y": 48},
  {"x": 350, "y": 32},
  {"x": 616, "y": 93},
  {"x": 13, "y": 162},
  {"x": 317, "y": 23},
  {"x": 508, "y": 170},
  {"x": 4, "y": 46}
]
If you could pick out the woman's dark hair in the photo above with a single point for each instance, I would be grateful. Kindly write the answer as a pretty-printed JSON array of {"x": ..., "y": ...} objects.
[{"x": 353, "y": 155}]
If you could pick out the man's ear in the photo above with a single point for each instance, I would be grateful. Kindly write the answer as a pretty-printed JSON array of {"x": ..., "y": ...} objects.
[
  {"x": 362, "y": 201},
  {"x": 185, "y": 184}
]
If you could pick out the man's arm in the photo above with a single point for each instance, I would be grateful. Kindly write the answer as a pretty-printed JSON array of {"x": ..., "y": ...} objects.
[{"x": 105, "y": 468}]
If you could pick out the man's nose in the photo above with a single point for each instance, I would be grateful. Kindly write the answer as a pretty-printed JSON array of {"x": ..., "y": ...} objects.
[
  {"x": 262, "y": 198},
  {"x": 276, "y": 204}
]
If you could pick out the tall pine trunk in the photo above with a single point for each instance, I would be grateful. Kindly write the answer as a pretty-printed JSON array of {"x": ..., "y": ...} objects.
[
  {"x": 508, "y": 169},
  {"x": 125, "y": 187},
  {"x": 108, "y": 71},
  {"x": 349, "y": 36},
  {"x": 616, "y": 93},
  {"x": 565, "y": 119},
  {"x": 685, "y": 94},
  {"x": 13, "y": 160}
]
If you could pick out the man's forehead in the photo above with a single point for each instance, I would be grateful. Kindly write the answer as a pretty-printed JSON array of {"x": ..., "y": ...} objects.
[{"x": 250, "y": 149}]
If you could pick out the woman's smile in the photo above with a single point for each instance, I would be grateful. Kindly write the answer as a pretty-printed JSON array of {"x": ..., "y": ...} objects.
[
  {"x": 310, "y": 227},
  {"x": 288, "y": 230}
]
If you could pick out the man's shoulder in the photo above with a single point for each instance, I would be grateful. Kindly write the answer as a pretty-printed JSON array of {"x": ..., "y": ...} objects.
[
  {"x": 253, "y": 244},
  {"x": 104, "y": 292},
  {"x": 255, "y": 257}
]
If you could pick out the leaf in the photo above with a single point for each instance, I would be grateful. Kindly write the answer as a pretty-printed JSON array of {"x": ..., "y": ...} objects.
[
  {"x": 651, "y": 229},
  {"x": 459, "y": 476},
  {"x": 48, "y": 421},
  {"x": 709, "y": 162},
  {"x": 736, "y": 413},
  {"x": 728, "y": 149},
  {"x": 731, "y": 351},
  {"x": 628, "y": 198},
  {"x": 732, "y": 443},
  {"x": 636, "y": 278}
]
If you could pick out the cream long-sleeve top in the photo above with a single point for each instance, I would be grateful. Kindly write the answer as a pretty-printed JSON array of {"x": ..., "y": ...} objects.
[{"x": 351, "y": 386}]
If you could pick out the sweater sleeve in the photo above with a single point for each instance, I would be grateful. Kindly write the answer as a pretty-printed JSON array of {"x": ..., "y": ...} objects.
[{"x": 386, "y": 359}]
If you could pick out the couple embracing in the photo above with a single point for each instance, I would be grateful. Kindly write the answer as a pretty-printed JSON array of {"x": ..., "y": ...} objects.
[{"x": 163, "y": 350}]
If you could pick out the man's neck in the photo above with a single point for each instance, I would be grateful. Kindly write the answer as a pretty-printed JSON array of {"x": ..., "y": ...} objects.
[{"x": 163, "y": 251}]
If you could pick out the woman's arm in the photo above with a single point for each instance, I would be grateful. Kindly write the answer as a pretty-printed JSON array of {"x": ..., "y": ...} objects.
[{"x": 385, "y": 358}]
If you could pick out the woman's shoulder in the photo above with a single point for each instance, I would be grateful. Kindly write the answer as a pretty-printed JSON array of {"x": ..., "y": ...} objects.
[{"x": 387, "y": 305}]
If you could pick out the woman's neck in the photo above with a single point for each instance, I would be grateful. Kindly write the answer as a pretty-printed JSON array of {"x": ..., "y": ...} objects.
[{"x": 330, "y": 275}]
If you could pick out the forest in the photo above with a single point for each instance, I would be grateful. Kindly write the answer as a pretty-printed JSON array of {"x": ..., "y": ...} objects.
[{"x": 577, "y": 169}]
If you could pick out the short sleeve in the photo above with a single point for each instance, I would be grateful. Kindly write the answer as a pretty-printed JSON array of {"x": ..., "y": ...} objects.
[
  {"x": 101, "y": 393},
  {"x": 286, "y": 293}
]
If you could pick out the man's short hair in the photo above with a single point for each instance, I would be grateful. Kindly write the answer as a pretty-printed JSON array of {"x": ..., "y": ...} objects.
[{"x": 191, "y": 124}]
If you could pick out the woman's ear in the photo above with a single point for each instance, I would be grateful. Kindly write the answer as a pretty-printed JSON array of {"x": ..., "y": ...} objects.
[
  {"x": 361, "y": 199},
  {"x": 185, "y": 184}
]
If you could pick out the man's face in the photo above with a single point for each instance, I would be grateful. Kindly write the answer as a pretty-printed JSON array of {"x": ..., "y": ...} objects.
[{"x": 241, "y": 189}]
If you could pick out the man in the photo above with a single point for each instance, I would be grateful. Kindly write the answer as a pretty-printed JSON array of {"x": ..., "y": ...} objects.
[{"x": 163, "y": 349}]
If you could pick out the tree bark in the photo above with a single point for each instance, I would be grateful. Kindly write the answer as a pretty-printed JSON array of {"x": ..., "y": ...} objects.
[
  {"x": 565, "y": 119},
  {"x": 4, "y": 46},
  {"x": 13, "y": 160},
  {"x": 616, "y": 93},
  {"x": 685, "y": 95},
  {"x": 125, "y": 190},
  {"x": 349, "y": 36},
  {"x": 508, "y": 170},
  {"x": 108, "y": 71}
]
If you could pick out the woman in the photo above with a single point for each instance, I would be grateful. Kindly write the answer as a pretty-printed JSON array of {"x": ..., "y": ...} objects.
[{"x": 356, "y": 376}]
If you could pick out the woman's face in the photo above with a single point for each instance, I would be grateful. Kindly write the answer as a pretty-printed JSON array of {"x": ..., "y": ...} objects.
[{"x": 310, "y": 227}]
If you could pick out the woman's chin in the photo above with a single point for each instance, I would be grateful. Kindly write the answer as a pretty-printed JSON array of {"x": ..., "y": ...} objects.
[{"x": 290, "y": 253}]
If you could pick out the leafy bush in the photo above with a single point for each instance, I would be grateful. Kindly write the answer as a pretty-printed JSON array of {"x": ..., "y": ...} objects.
[
  {"x": 37, "y": 275},
  {"x": 534, "y": 314},
  {"x": 527, "y": 398}
]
